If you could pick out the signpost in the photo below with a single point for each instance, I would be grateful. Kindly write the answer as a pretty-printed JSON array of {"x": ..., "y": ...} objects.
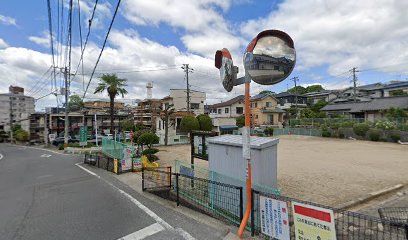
[
  {"x": 274, "y": 218},
  {"x": 83, "y": 136},
  {"x": 313, "y": 222}
]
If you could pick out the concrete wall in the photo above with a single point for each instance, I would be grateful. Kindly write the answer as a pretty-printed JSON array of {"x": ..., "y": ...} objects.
[{"x": 179, "y": 101}]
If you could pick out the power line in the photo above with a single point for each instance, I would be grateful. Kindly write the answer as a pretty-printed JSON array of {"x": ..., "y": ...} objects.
[
  {"x": 39, "y": 80},
  {"x": 86, "y": 39},
  {"x": 51, "y": 37},
  {"x": 103, "y": 46},
  {"x": 80, "y": 38}
]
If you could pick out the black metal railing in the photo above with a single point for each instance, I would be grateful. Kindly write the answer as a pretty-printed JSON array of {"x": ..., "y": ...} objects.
[
  {"x": 348, "y": 225},
  {"x": 220, "y": 200}
]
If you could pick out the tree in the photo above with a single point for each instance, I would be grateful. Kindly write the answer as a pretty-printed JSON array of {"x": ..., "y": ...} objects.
[
  {"x": 240, "y": 121},
  {"x": 75, "y": 103},
  {"x": 319, "y": 105},
  {"x": 297, "y": 89},
  {"x": 114, "y": 86},
  {"x": 189, "y": 123},
  {"x": 314, "y": 88},
  {"x": 165, "y": 115},
  {"x": 205, "y": 122},
  {"x": 394, "y": 113},
  {"x": 148, "y": 139},
  {"x": 22, "y": 135},
  {"x": 127, "y": 125},
  {"x": 267, "y": 92},
  {"x": 398, "y": 93}
]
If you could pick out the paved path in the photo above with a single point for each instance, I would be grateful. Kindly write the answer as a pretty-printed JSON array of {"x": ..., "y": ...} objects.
[{"x": 46, "y": 195}]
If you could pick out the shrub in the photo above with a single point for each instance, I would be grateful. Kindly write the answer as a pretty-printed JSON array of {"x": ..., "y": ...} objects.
[
  {"x": 61, "y": 146},
  {"x": 386, "y": 125},
  {"x": 240, "y": 121},
  {"x": 138, "y": 133},
  {"x": 260, "y": 135},
  {"x": 346, "y": 124},
  {"x": 22, "y": 135},
  {"x": 189, "y": 123},
  {"x": 269, "y": 131},
  {"x": 148, "y": 139},
  {"x": 205, "y": 122},
  {"x": 395, "y": 136},
  {"x": 326, "y": 133},
  {"x": 360, "y": 129},
  {"x": 150, "y": 151},
  {"x": 342, "y": 133},
  {"x": 374, "y": 134}
]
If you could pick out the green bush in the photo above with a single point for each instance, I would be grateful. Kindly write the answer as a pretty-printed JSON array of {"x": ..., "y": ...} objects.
[
  {"x": 326, "y": 133},
  {"x": 21, "y": 135},
  {"x": 360, "y": 129},
  {"x": 148, "y": 139},
  {"x": 189, "y": 123},
  {"x": 341, "y": 133},
  {"x": 260, "y": 135},
  {"x": 374, "y": 134},
  {"x": 61, "y": 146},
  {"x": 268, "y": 131},
  {"x": 346, "y": 124},
  {"x": 395, "y": 136},
  {"x": 240, "y": 121},
  {"x": 205, "y": 122},
  {"x": 150, "y": 151}
]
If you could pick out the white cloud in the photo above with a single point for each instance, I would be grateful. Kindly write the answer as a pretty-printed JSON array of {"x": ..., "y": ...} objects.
[
  {"x": 43, "y": 40},
  {"x": 102, "y": 12},
  {"x": 9, "y": 21},
  {"x": 342, "y": 34},
  {"x": 3, "y": 44}
]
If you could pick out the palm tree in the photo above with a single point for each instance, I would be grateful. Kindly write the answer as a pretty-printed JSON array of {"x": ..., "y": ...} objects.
[{"x": 114, "y": 86}]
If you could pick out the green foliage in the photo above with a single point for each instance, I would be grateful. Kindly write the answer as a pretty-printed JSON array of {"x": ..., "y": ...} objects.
[
  {"x": 205, "y": 122},
  {"x": 137, "y": 134},
  {"x": 260, "y": 135},
  {"x": 341, "y": 132},
  {"x": 150, "y": 151},
  {"x": 326, "y": 133},
  {"x": 319, "y": 105},
  {"x": 398, "y": 93},
  {"x": 308, "y": 89},
  {"x": 61, "y": 146},
  {"x": 21, "y": 135},
  {"x": 15, "y": 128},
  {"x": 148, "y": 139},
  {"x": 374, "y": 134},
  {"x": 240, "y": 121},
  {"x": 346, "y": 124},
  {"x": 360, "y": 129},
  {"x": 127, "y": 125},
  {"x": 394, "y": 135},
  {"x": 139, "y": 127},
  {"x": 386, "y": 125},
  {"x": 268, "y": 131},
  {"x": 394, "y": 113},
  {"x": 189, "y": 123},
  {"x": 75, "y": 103},
  {"x": 77, "y": 145},
  {"x": 298, "y": 90},
  {"x": 267, "y": 92}
]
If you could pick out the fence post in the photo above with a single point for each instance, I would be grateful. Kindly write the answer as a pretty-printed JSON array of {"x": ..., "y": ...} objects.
[
  {"x": 143, "y": 188},
  {"x": 85, "y": 158},
  {"x": 241, "y": 204},
  {"x": 177, "y": 189},
  {"x": 169, "y": 176},
  {"x": 252, "y": 214},
  {"x": 97, "y": 159}
]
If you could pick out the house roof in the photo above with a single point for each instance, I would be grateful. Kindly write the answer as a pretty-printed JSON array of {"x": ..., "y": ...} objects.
[
  {"x": 370, "y": 87},
  {"x": 181, "y": 89},
  {"x": 261, "y": 96},
  {"x": 287, "y": 94},
  {"x": 375, "y": 104},
  {"x": 316, "y": 94},
  {"x": 228, "y": 103},
  {"x": 397, "y": 85}
]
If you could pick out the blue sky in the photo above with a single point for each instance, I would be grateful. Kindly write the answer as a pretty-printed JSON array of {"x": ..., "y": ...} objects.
[{"x": 330, "y": 37}]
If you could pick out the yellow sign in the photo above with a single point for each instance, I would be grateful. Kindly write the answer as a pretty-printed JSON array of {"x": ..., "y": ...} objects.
[
  {"x": 115, "y": 166},
  {"x": 313, "y": 223}
]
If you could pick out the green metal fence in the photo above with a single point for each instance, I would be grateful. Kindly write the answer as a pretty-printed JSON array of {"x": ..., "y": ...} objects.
[
  {"x": 297, "y": 131},
  {"x": 112, "y": 148},
  {"x": 317, "y": 122}
]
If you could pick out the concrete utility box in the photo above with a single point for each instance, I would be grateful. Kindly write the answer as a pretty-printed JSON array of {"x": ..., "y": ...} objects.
[{"x": 225, "y": 158}]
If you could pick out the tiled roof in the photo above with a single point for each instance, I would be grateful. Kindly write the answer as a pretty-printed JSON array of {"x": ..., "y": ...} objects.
[
  {"x": 228, "y": 103},
  {"x": 287, "y": 94},
  {"x": 374, "y": 105}
]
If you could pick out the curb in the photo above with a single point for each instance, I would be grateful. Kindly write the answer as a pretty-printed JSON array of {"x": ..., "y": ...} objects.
[{"x": 369, "y": 197}]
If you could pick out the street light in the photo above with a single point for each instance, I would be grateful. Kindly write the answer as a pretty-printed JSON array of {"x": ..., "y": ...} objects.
[{"x": 268, "y": 59}]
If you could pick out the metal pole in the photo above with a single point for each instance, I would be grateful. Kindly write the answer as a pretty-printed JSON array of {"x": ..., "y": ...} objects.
[
  {"x": 246, "y": 152},
  {"x": 66, "y": 108},
  {"x": 45, "y": 129},
  {"x": 11, "y": 118},
  {"x": 96, "y": 131}
]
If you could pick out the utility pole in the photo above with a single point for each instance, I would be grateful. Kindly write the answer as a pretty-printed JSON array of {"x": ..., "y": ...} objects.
[
  {"x": 66, "y": 108},
  {"x": 45, "y": 129},
  {"x": 11, "y": 118},
  {"x": 295, "y": 80},
  {"x": 354, "y": 70},
  {"x": 187, "y": 70}
]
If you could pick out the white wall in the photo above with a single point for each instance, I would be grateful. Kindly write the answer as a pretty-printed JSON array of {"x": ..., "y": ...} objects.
[{"x": 180, "y": 100}]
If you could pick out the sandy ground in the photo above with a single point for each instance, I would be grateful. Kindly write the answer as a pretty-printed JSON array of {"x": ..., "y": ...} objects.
[{"x": 325, "y": 170}]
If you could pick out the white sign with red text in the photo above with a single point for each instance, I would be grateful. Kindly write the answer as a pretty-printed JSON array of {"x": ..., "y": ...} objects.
[{"x": 274, "y": 218}]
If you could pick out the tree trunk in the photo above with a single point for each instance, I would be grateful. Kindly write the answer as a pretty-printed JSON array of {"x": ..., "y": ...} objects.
[
  {"x": 166, "y": 131},
  {"x": 112, "y": 104}
]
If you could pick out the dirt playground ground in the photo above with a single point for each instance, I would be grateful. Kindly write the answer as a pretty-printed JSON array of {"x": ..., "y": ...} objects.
[{"x": 325, "y": 170}]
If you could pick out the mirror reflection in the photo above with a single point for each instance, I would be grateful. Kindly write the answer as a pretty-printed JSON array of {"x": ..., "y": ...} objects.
[{"x": 271, "y": 61}]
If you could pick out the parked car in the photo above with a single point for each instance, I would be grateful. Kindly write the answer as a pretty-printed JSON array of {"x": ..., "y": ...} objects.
[
  {"x": 60, "y": 140},
  {"x": 109, "y": 136}
]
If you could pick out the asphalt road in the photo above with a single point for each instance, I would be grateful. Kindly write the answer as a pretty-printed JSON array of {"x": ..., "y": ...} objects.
[{"x": 45, "y": 195}]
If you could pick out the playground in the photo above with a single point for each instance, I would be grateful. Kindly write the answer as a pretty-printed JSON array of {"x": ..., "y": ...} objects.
[{"x": 325, "y": 170}]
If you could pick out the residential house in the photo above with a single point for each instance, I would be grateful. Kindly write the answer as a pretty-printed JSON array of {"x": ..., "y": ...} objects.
[
  {"x": 375, "y": 90},
  {"x": 265, "y": 111},
  {"x": 287, "y": 100},
  {"x": 394, "y": 87},
  {"x": 15, "y": 108},
  {"x": 177, "y": 99},
  {"x": 223, "y": 114},
  {"x": 325, "y": 95},
  {"x": 37, "y": 125},
  {"x": 370, "y": 110},
  {"x": 103, "y": 105}
]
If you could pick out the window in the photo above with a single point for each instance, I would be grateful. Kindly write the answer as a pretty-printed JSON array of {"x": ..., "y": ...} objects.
[
  {"x": 268, "y": 104},
  {"x": 160, "y": 125},
  {"x": 239, "y": 110},
  {"x": 256, "y": 105},
  {"x": 219, "y": 111},
  {"x": 194, "y": 105},
  {"x": 226, "y": 110},
  {"x": 256, "y": 116}
]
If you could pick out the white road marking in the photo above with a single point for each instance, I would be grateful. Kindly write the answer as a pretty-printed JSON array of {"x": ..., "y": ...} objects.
[
  {"x": 1, "y": 156},
  {"x": 43, "y": 149},
  {"x": 45, "y": 155},
  {"x": 149, "y": 212},
  {"x": 143, "y": 233}
]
